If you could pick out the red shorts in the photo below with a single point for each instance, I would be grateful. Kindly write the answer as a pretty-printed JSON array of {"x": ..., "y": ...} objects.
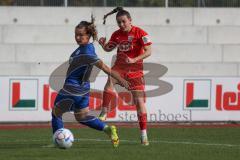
[{"x": 135, "y": 78}]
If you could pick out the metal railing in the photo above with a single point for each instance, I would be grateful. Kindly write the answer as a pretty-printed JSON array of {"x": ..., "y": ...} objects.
[{"x": 127, "y": 3}]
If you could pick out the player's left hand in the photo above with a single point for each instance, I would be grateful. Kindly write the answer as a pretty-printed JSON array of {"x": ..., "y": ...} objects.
[
  {"x": 102, "y": 41},
  {"x": 131, "y": 60}
]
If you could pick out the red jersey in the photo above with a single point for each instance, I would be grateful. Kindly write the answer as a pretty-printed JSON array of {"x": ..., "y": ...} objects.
[{"x": 130, "y": 44}]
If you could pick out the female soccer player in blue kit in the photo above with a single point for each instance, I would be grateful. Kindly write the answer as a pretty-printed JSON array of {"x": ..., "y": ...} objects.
[{"x": 74, "y": 96}]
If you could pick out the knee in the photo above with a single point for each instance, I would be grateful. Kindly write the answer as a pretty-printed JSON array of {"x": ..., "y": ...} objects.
[
  {"x": 79, "y": 116},
  {"x": 108, "y": 86},
  {"x": 139, "y": 102},
  {"x": 57, "y": 112}
]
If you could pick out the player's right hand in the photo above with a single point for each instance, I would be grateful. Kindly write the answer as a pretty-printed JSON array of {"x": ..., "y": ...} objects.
[{"x": 102, "y": 41}]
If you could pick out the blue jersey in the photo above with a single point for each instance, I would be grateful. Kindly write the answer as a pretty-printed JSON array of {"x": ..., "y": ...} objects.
[{"x": 80, "y": 66}]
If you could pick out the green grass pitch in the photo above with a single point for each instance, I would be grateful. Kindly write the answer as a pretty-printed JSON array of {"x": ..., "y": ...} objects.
[{"x": 166, "y": 144}]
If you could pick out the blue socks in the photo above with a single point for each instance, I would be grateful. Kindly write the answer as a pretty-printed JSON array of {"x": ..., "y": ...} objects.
[
  {"x": 93, "y": 122},
  {"x": 90, "y": 121},
  {"x": 57, "y": 123}
]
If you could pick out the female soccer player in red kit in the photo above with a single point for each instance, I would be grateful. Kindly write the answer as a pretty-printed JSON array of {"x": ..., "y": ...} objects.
[{"x": 133, "y": 45}]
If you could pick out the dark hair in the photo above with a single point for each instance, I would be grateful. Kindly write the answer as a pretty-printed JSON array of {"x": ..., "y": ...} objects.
[
  {"x": 90, "y": 28},
  {"x": 120, "y": 12}
]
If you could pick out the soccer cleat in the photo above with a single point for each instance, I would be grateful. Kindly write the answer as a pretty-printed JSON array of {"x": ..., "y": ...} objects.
[
  {"x": 103, "y": 116},
  {"x": 144, "y": 141},
  {"x": 111, "y": 131}
]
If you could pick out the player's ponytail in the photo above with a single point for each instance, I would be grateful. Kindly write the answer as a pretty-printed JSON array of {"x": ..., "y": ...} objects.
[
  {"x": 120, "y": 12},
  {"x": 90, "y": 28}
]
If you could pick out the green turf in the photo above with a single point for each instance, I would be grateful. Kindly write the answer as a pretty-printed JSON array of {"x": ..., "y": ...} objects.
[{"x": 33, "y": 144}]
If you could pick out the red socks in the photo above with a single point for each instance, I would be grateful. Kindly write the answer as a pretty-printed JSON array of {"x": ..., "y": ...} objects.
[
  {"x": 142, "y": 119},
  {"x": 109, "y": 97}
]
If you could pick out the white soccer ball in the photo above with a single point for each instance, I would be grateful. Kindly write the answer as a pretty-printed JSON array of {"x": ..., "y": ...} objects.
[{"x": 63, "y": 138}]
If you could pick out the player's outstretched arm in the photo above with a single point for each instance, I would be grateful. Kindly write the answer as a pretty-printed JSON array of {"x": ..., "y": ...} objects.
[
  {"x": 112, "y": 73},
  {"x": 147, "y": 53},
  {"x": 109, "y": 46}
]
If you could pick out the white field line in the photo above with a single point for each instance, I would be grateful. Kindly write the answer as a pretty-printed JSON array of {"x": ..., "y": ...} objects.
[
  {"x": 164, "y": 141},
  {"x": 131, "y": 141}
]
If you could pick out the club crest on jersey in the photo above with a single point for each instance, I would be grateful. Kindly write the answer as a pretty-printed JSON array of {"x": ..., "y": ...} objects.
[{"x": 130, "y": 38}]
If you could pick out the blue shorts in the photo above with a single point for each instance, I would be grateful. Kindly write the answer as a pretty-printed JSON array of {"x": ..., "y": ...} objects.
[{"x": 74, "y": 102}]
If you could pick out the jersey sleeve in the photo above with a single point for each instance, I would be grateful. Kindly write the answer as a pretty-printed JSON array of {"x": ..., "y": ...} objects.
[
  {"x": 144, "y": 38},
  {"x": 113, "y": 38},
  {"x": 92, "y": 57}
]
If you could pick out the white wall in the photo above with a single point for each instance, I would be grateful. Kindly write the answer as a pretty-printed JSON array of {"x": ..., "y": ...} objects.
[{"x": 197, "y": 41}]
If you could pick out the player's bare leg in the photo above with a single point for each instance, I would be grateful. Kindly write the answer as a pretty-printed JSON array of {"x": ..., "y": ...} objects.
[{"x": 139, "y": 97}]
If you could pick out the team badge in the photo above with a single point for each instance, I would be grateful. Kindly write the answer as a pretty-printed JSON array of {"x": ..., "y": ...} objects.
[{"x": 130, "y": 38}]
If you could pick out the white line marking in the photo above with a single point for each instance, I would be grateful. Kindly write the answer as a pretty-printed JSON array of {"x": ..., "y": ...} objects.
[
  {"x": 128, "y": 141},
  {"x": 164, "y": 141}
]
